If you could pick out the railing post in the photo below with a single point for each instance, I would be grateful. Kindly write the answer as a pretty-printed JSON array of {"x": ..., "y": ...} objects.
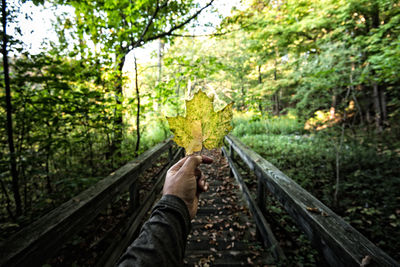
[
  {"x": 231, "y": 152},
  {"x": 260, "y": 201},
  {"x": 231, "y": 155},
  {"x": 134, "y": 197},
  {"x": 170, "y": 153},
  {"x": 261, "y": 195}
]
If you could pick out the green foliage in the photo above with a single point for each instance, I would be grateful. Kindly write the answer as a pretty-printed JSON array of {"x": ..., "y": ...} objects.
[
  {"x": 369, "y": 185},
  {"x": 267, "y": 126}
]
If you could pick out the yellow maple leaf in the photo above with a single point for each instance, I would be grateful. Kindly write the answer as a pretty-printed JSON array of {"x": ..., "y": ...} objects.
[{"x": 202, "y": 126}]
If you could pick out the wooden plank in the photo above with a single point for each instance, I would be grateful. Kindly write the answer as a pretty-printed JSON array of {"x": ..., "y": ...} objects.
[
  {"x": 40, "y": 240},
  {"x": 262, "y": 224},
  {"x": 121, "y": 242},
  {"x": 338, "y": 241}
]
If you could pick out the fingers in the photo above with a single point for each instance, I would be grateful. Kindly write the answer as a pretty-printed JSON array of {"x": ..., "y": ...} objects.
[
  {"x": 202, "y": 185},
  {"x": 178, "y": 165},
  {"x": 181, "y": 162},
  {"x": 207, "y": 160},
  {"x": 194, "y": 161}
]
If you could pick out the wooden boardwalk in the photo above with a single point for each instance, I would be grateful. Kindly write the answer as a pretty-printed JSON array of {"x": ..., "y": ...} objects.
[{"x": 223, "y": 232}]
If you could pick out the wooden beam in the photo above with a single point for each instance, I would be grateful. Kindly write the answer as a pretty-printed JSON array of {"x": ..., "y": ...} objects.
[
  {"x": 40, "y": 240},
  {"x": 262, "y": 224},
  {"x": 337, "y": 241}
]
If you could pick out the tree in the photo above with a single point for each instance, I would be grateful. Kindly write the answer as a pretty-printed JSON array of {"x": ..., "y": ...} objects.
[
  {"x": 9, "y": 109},
  {"x": 118, "y": 27}
]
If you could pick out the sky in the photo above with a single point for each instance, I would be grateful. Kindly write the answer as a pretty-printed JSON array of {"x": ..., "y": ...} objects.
[{"x": 39, "y": 28}]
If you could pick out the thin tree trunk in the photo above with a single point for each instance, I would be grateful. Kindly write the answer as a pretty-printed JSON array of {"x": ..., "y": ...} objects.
[
  {"x": 138, "y": 109},
  {"x": 91, "y": 160},
  {"x": 13, "y": 163},
  {"x": 338, "y": 154},
  {"x": 8, "y": 201},
  {"x": 260, "y": 81},
  {"x": 48, "y": 179},
  {"x": 242, "y": 89},
  {"x": 377, "y": 107},
  {"x": 382, "y": 97},
  {"x": 116, "y": 142}
]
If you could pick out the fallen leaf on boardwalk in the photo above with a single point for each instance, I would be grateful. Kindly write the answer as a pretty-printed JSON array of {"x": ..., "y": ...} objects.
[
  {"x": 208, "y": 225},
  {"x": 366, "y": 261},
  {"x": 317, "y": 211},
  {"x": 201, "y": 126}
]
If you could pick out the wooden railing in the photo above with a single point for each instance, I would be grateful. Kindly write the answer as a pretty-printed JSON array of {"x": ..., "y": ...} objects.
[
  {"x": 338, "y": 242},
  {"x": 42, "y": 239}
]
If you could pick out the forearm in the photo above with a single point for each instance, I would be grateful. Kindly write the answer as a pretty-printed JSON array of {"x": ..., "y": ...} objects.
[{"x": 162, "y": 239}]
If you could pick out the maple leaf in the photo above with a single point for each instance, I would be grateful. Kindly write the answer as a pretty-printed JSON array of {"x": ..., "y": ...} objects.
[{"x": 202, "y": 126}]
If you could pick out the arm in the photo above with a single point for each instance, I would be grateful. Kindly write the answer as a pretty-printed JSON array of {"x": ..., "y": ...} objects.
[{"x": 162, "y": 239}]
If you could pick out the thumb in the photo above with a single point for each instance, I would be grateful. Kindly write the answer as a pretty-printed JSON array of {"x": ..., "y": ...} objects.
[{"x": 192, "y": 163}]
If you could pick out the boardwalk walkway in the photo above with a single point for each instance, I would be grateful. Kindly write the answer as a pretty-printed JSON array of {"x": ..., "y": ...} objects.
[{"x": 223, "y": 232}]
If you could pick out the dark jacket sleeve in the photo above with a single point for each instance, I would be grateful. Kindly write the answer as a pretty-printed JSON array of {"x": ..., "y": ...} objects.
[{"x": 162, "y": 239}]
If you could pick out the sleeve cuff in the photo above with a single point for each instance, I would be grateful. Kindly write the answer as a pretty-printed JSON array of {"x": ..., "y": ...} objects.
[{"x": 178, "y": 205}]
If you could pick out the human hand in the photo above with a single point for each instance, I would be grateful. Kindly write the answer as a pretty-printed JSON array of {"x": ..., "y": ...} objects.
[{"x": 185, "y": 180}]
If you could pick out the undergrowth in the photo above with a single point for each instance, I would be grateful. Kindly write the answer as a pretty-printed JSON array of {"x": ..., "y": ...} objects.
[{"x": 369, "y": 197}]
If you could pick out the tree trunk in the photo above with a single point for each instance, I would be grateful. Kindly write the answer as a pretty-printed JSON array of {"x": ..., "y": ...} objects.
[
  {"x": 47, "y": 165},
  {"x": 332, "y": 112},
  {"x": 138, "y": 109},
  {"x": 377, "y": 107},
  {"x": 382, "y": 97},
  {"x": 116, "y": 142},
  {"x": 242, "y": 89},
  {"x": 13, "y": 163}
]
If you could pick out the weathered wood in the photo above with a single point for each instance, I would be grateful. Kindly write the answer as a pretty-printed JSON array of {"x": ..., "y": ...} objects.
[
  {"x": 170, "y": 153},
  {"x": 35, "y": 243},
  {"x": 261, "y": 195},
  {"x": 134, "y": 198},
  {"x": 339, "y": 243},
  {"x": 262, "y": 224},
  {"x": 121, "y": 242},
  {"x": 260, "y": 202}
]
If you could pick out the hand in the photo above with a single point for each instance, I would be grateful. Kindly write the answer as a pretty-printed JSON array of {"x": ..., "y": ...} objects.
[{"x": 186, "y": 181}]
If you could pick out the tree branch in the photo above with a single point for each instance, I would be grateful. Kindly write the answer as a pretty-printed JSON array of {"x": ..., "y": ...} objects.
[
  {"x": 169, "y": 33},
  {"x": 146, "y": 29}
]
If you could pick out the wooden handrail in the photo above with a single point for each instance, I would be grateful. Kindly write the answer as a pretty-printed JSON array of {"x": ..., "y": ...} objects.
[
  {"x": 262, "y": 224},
  {"x": 40, "y": 240},
  {"x": 336, "y": 240},
  {"x": 122, "y": 241}
]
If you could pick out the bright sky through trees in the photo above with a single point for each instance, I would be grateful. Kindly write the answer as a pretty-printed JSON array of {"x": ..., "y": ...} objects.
[{"x": 39, "y": 28}]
